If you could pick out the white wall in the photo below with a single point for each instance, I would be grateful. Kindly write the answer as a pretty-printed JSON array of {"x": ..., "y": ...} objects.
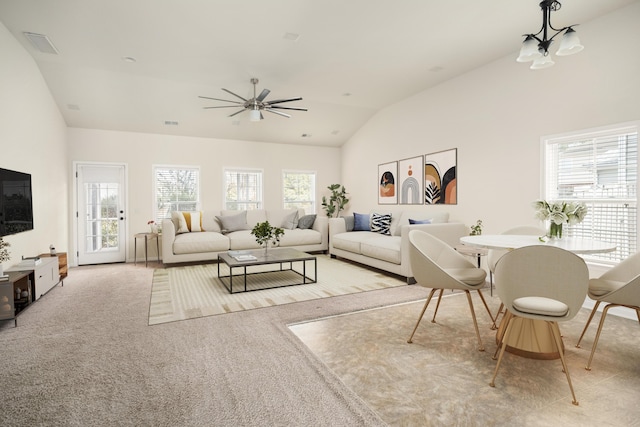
[
  {"x": 495, "y": 117},
  {"x": 141, "y": 151},
  {"x": 32, "y": 140}
]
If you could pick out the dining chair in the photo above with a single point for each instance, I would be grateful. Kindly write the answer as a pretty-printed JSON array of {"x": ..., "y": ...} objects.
[
  {"x": 541, "y": 283},
  {"x": 495, "y": 254},
  {"x": 438, "y": 266},
  {"x": 618, "y": 287}
]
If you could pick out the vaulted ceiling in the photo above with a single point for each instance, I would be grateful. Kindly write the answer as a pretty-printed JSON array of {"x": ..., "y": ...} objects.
[{"x": 141, "y": 65}]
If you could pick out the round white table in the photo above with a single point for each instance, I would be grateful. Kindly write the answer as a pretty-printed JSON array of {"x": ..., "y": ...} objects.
[{"x": 534, "y": 338}]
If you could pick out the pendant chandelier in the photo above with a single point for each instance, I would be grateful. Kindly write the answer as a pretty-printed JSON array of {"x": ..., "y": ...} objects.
[{"x": 536, "y": 49}]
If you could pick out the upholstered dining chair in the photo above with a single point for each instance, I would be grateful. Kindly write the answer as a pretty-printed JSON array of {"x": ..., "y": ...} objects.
[
  {"x": 618, "y": 287},
  {"x": 438, "y": 266},
  {"x": 494, "y": 255},
  {"x": 541, "y": 283}
]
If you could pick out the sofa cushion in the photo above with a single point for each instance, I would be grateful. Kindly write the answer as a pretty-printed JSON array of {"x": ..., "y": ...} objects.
[
  {"x": 230, "y": 223},
  {"x": 419, "y": 221},
  {"x": 385, "y": 248},
  {"x": 242, "y": 239},
  {"x": 209, "y": 221},
  {"x": 306, "y": 221},
  {"x": 396, "y": 227},
  {"x": 290, "y": 221},
  {"x": 351, "y": 241},
  {"x": 190, "y": 243},
  {"x": 299, "y": 237},
  {"x": 381, "y": 223},
  {"x": 348, "y": 222},
  {"x": 361, "y": 222}
]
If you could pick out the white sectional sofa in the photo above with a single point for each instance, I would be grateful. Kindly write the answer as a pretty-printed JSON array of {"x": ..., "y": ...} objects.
[
  {"x": 192, "y": 245},
  {"x": 390, "y": 252}
]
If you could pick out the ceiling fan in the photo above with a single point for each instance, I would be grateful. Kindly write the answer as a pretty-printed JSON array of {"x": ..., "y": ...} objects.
[{"x": 257, "y": 104}]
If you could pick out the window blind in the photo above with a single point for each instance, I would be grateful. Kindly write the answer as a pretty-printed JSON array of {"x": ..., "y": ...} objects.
[
  {"x": 243, "y": 189},
  {"x": 601, "y": 170},
  {"x": 176, "y": 189}
]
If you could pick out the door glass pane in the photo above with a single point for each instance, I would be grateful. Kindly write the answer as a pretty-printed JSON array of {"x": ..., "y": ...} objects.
[{"x": 102, "y": 222}]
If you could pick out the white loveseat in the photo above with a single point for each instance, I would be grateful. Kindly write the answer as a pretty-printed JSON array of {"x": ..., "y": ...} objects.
[
  {"x": 390, "y": 252},
  {"x": 205, "y": 245}
]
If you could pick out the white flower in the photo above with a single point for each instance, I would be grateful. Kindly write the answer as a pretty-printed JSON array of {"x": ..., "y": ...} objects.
[{"x": 560, "y": 212}]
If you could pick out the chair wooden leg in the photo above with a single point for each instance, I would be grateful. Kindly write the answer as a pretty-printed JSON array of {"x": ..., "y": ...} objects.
[
  {"x": 555, "y": 329},
  {"x": 593, "y": 312},
  {"x": 433, "y": 320},
  {"x": 475, "y": 322},
  {"x": 495, "y": 319},
  {"x": 502, "y": 349},
  {"x": 426, "y": 304},
  {"x": 486, "y": 306},
  {"x": 595, "y": 342}
]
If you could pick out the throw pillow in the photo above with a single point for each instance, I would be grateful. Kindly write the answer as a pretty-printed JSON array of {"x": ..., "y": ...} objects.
[
  {"x": 361, "y": 222},
  {"x": 381, "y": 223},
  {"x": 419, "y": 221},
  {"x": 187, "y": 221},
  {"x": 229, "y": 223},
  {"x": 348, "y": 220},
  {"x": 306, "y": 221},
  {"x": 290, "y": 221}
]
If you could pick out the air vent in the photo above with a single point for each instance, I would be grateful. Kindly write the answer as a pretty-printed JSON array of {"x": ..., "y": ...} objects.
[
  {"x": 171, "y": 123},
  {"x": 41, "y": 42}
]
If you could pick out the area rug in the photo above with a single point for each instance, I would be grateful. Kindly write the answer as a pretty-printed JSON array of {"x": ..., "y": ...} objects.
[{"x": 189, "y": 292}]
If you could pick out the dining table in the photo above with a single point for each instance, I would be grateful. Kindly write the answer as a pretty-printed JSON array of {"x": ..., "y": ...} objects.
[{"x": 534, "y": 338}]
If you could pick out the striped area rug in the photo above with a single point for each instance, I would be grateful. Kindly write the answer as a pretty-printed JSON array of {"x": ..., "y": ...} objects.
[{"x": 189, "y": 292}]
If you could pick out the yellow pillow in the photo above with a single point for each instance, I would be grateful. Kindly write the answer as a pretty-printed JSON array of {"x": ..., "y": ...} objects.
[{"x": 187, "y": 221}]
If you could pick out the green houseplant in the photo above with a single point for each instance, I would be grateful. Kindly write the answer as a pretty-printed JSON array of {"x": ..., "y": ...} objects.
[
  {"x": 476, "y": 230},
  {"x": 337, "y": 201},
  {"x": 4, "y": 253},
  {"x": 265, "y": 233}
]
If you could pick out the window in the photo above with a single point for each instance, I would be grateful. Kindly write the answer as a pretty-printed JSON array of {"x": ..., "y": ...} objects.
[
  {"x": 242, "y": 189},
  {"x": 176, "y": 189},
  {"x": 601, "y": 170},
  {"x": 299, "y": 190}
]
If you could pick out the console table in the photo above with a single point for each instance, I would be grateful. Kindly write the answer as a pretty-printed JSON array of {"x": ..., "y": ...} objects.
[{"x": 10, "y": 304}]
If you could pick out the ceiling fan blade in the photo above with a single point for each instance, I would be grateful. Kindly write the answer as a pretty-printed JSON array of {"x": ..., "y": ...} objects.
[
  {"x": 228, "y": 91},
  {"x": 277, "y": 112},
  {"x": 278, "y": 101},
  {"x": 263, "y": 94},
  {"x": 287, "y": 108},
  {"x": 237, "y": 112},
  {"x": 221, "y": 106},
  {"x": 218, "y": 99}
]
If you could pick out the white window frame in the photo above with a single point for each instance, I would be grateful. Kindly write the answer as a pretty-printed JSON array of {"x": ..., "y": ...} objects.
[
  {"x": 257, "y": 202},
  {"x": 600, "y": 226},
  {"x": 301, "y": 204},
  {"x": 175, "y": 205}
]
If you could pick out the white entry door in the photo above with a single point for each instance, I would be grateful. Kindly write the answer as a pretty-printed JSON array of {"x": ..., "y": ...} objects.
[{"x": 101, "y": 213}]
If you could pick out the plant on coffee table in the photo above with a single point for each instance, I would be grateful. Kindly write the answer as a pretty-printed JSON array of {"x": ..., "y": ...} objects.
[{"x": 265, "y": 233}]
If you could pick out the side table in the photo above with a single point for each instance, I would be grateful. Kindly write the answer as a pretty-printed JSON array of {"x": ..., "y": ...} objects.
[{"x": 146, "y": 237}]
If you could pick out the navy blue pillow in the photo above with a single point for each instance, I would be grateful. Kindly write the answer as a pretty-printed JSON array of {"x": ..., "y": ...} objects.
[
  {"x": 361, "y": 222},
  {"x": 419, "y": 221}
]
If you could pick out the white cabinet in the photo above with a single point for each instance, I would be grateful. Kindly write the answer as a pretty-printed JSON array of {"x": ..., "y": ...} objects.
[{"x": 47, "y": 275}]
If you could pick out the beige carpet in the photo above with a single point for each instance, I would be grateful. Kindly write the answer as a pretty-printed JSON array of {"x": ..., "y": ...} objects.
[{"x": 190, "y": 292}]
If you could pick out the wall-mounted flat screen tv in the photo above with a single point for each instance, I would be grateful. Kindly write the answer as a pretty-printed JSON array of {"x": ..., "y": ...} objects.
[{"x": 16, "y": 206}]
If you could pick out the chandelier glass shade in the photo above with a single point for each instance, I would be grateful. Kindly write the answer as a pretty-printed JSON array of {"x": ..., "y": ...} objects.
[{"x": 536, "y": 46}]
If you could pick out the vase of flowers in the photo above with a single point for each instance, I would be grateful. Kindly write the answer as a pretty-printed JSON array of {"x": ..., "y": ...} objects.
[
  {"x": 559, "y": 213},
  {"x": 152, "y": 226},
  {"x": 265, "y": 234}
]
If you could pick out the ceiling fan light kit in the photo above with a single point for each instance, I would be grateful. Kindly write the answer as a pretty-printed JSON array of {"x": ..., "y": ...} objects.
[
  {"x": 257, "y": 104},
  {"x": 536, "y": 49}
]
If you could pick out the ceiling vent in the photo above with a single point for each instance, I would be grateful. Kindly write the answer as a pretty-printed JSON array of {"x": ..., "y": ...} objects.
[{"x": 41, "y": 42}]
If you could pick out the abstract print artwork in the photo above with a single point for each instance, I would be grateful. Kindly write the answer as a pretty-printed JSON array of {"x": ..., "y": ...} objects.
[
  {"x": 410, "y": 181},
  {"x": 387, "y": 177},
  {"x": 440, "y": 177}
]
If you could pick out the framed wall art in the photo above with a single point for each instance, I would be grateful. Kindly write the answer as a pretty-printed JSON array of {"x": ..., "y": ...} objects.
[
  {"x": 410, "y": 187},
  {"x": 387, "y": 178},
  {"x": 440, "y": 178}
]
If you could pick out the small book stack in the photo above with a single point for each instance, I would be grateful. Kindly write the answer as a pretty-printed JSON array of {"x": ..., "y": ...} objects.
[
  {"x": 4, "y": 278},
  {"x": 245, "y": 258}
]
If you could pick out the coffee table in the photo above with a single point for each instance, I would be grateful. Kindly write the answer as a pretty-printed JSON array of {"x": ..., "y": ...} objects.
[{"x": 259, "y": 276}]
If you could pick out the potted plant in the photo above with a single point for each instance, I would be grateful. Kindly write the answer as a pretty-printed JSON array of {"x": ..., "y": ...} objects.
[
  {"x": 337, "y": 201},
  {"x": 265, "y": 233},
  {"x": 476, "y": 230}
]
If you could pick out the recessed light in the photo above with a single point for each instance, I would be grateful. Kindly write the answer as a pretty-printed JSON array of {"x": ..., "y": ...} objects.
[
  {"x": 73, "y": 107},
  {"x": 436, "y": 69},
  {"x": 236, "y": 122},
  {"x": 306, "y": 135},
  {"x": 346, "y": 94},
  {"x": 291, "y": 36},
  {"x": 335, "y": 132},
  {"x": 128, "y": 59}
]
